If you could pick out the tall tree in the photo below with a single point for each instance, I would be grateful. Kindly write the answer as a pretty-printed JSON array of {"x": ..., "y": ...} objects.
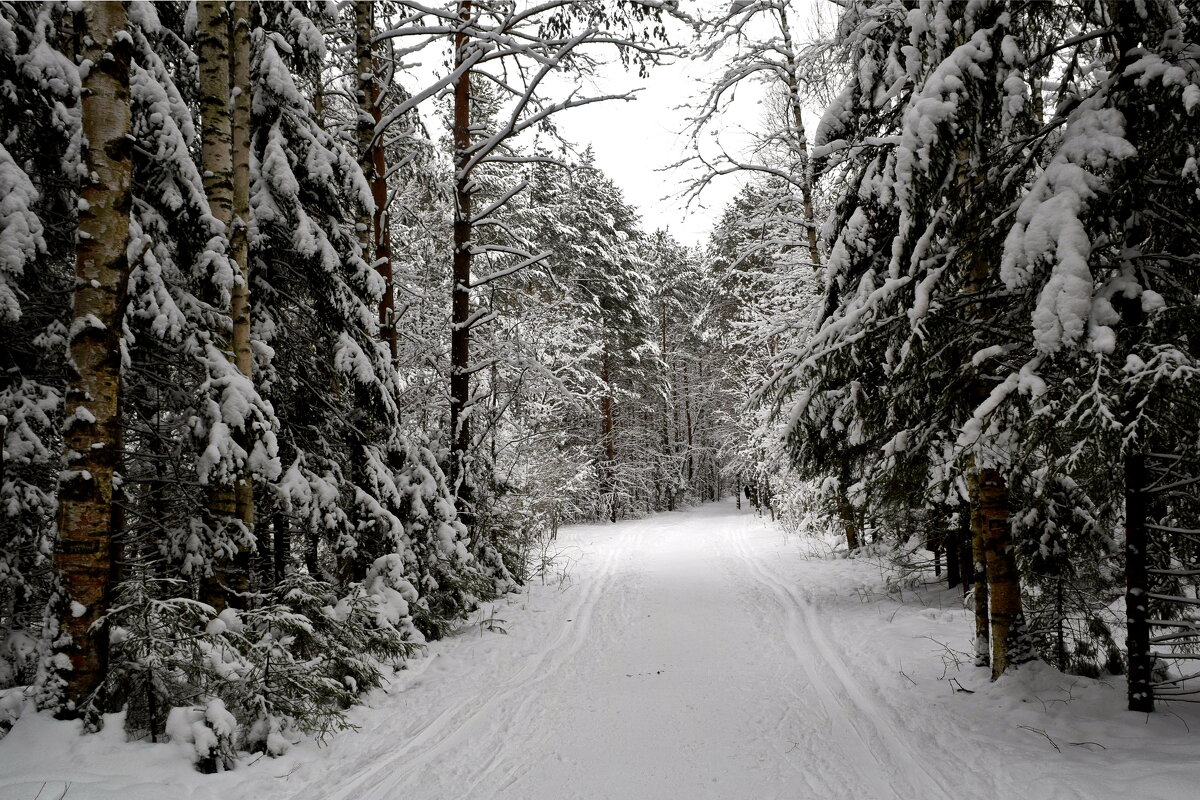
[
  {"x": 372, "y": 153},
  {"x": 460, "y": 289},
  {"x": 239, "y": 242},
  {"x": 88, "y": 507},
  {"x": 910, "y": 255},
  {"x": 757, "y": 42},
  {"x": 215, "y": 48},
  {"x": 39, "y": 136}
]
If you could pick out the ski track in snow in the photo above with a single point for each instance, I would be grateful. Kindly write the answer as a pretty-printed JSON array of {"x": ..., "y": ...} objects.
[
  {"x": 691, "y": 668},
  {"x": 867, "y": 731},
  {"x": 694, "y": 655},
  {"x": 457, "y": 725},
  {"x": 860, "y": 727}
]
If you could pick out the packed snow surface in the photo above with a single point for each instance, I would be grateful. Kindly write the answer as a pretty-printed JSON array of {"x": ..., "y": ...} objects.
[{"x": 697, "y": 654}]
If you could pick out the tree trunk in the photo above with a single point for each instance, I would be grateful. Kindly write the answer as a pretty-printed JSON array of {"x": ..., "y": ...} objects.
[
  {"x": 687, "y": 414},
  {"x": 92, "y": 439},
  {"x": 240, "y": 309},
  {"x": 997, "y": 579},
  {"x": 373, "y": 159},
  {"x": 668, "y": 418},
  {"x": 796, "y": 106},
  {"x": 460, "y": 304},
  {"x": 979, "y": 573},
  {"x": 952, "y": 546},
  {"x": 215, "y": 44},
  {"x": 223, "y": 35},
  {"x": 312, "y": 560},
  {"x": 608, "y": 426},
  {"x": 1124, "y": 42},
  {"x": 966, "y": 571},
  {"x": 282, "y": 542},
  {"x": 846, "y": 512},
  {"x": 1010, "y": 644},
  {"x": 1060, "y": 618},
  {"x": 846, "y": 509},
  {"x": 1137, "y": 583},
  {"x": 216, "y": 128}
]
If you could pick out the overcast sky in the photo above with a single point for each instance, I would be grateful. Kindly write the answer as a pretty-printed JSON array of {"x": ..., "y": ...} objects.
[{"x": 636, "y": 142}]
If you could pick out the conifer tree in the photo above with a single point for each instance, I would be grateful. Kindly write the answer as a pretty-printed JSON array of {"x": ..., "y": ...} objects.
[
  {"x": 909, "y": 257},
  {"x": 39, "y": 119}
]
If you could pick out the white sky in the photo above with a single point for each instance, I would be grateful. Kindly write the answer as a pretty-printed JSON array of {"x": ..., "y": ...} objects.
[{"x": 636, "y": 142}]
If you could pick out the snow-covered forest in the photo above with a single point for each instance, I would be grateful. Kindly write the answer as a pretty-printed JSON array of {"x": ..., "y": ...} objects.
[{"x": 325, "y": 340}]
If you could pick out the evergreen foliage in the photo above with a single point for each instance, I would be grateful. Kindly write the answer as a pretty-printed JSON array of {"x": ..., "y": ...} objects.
[{"x": 997, "y": 273}]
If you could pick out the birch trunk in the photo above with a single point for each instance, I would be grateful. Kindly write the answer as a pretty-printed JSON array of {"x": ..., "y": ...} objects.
[
  {"x": 216, "y": 121},
  {"x": 85, "y": 556},
  {"x": 240, "y": 308},
  {"x": 215, "y": 46}
]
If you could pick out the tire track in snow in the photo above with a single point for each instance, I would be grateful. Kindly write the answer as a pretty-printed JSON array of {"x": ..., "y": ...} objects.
[
  {"x": 390, "y": 770},
  {"x": 862, "y": 724}
]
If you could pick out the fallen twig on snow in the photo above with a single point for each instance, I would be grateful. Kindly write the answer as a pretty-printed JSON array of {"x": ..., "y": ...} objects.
[{"x": 1053, "y": 743}]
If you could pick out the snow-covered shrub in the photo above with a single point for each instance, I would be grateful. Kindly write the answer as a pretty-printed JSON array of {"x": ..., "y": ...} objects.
[
  {"x": 11, "y": 701},
  {"x": 289, "y": 666},
  {"x": 1072, "y": 578},
  {"x": 206, "y": 731},
  {"x": 549, "y": 489},
  {"x": 455, "y": 572},
  {"x": 804, "y": 508},
  {"x": 342, "y": 641}
]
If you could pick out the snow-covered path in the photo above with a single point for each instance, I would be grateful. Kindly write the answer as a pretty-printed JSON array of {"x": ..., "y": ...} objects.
[
  {"x": 691, "y": 655},
  {"x": 663, "y": 681}
]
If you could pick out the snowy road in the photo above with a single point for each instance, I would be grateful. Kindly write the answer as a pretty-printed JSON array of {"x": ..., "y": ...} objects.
[
  {"x": 690, "y": 655},
  {"x": 698, "y": 655},
  {"x": 673, "y": 675}
]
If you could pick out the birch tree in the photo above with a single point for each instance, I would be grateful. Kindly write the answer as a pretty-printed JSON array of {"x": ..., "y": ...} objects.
[
  {"x": 88, "y": 505},
  {"x": 224, "y": 139}
]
